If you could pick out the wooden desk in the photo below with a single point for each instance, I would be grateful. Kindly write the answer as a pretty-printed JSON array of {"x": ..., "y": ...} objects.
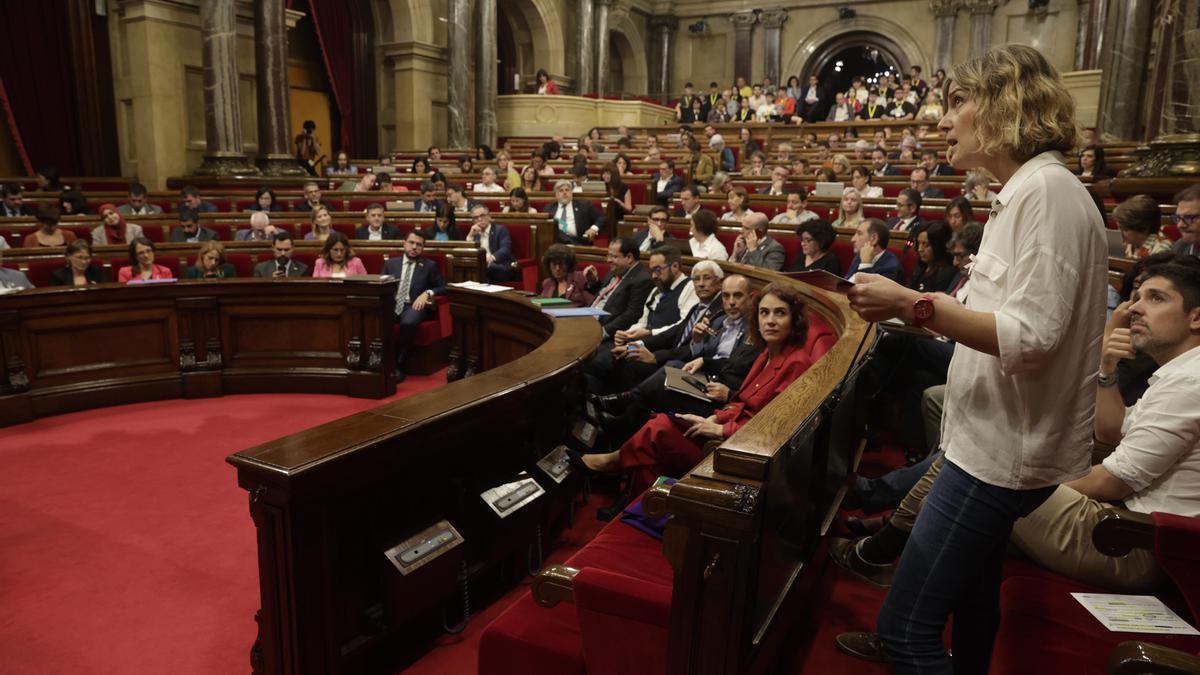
[
  {"x": 66, "y": 349},
  {"x": 329, "y": 501}
]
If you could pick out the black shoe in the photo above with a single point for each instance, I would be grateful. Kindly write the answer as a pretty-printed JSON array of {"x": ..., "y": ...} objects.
[
  {"x": 865, "y": 527},
  {"x": 607, "y": 420},
  {"x": 614, "y": 403},
  {"x": 865, "y": 646},
  {"x": 576, "y": 458},
  {"x": 609, "y": 512}
]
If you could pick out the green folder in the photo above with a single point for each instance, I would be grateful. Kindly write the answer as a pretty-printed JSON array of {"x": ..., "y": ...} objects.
[{"x": 551, "y": 302}]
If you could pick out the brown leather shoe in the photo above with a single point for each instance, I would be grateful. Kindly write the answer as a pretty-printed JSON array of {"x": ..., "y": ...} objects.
[
  {"x": 865, "y": 646},
  {"x": 844, "y": 552},
  {"x": 865, "y": 526}
]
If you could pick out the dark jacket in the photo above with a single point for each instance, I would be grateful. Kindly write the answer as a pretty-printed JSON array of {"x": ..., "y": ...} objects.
[
  {"x": 828, "y": 262},
  {"x": 388, "y": 230},
  {"x": 733, "y": 370},
  {"x": 179, "y": 236},
  {"x": 455, "y": 232},
  {"x": 674, "y": 185},
  {"x": 426, "y": 277},
  {"x": 500, "y": 243},
  {"x": 625, "y": 303},
  {"x": 227, "y": 272},
  {"x": 63, "y": 276},
  {"x": 267, "y": 269},
  {"x": 933, "y": 280},
  {"x": 672, "y": 344},
  {"x": 205, "y": 207},
  {"x": 586, "y": 215}
]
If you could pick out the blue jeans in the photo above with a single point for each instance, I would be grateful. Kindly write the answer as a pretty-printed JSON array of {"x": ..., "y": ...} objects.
[
  {"x": 883, "y": 493},
  {"x": 952, "y": 565}
]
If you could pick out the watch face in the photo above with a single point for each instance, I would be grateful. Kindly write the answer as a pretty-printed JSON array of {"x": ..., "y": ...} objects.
[{"x": 923, "y": 309}]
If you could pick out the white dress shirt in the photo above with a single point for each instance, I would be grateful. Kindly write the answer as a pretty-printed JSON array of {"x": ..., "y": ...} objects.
[
  {"x": 1023, "y": 420},
  {"x": 711, "y": 249},
  {"x": 687, "y": 299},
  {"x": 374, "y": 234},
  {"x": 1159, "y": 453},
  {"x": 483, "y": 187},
  {"x": 785, "y": 218}
]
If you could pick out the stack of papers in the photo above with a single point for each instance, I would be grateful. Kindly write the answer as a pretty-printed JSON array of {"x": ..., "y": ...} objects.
[
  {"x": 1134, "y": 614},
  {"x": 477, "y": 286}
]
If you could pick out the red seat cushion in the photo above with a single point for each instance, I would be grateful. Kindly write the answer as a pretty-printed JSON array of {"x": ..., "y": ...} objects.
[
  {"x": 1042, "y": 624},
  {"x": 623, "y": 596}
]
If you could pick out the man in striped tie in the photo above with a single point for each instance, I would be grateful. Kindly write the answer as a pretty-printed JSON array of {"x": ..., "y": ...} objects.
[{"x": 420, "y": 281}]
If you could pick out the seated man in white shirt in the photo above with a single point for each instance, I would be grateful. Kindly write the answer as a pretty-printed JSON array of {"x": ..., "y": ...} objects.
[
  {"x": 488, "y": 184},
  {"x": 1155, "y": 467},
  {"x": 797, "y": 209},
  {"x": 704, "y": 243}
]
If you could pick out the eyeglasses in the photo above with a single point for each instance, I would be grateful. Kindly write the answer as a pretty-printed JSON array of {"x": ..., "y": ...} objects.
[
  {"x": 658, "y": 269},
  {"x": 660, "y": 219},
  {"x": 1189, "y": 220}
]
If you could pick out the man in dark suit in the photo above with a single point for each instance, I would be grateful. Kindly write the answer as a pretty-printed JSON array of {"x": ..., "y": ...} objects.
[
  {"x": 666, "y": 183},
  {"x": 428, "y": 201},
  {"x": 879, "y": 162},
  {"x": 577, "y": 221},
  {"x": 496, "y": 242},
  {"x": 929, "y": 160},
  {"x": 778, "y": 186},
  {"x": 870, "y": 242},
  {"x": 636, "y": 361},
  {"x": 714, "y": 347},
  {"x": 189, "y": 229},
  {"x": 919, "y": 181},
  {"x": 755, "y": 248},
  {"x": 810, "y": 103},
  {"x": 312, "y": 197},
  {"x": 907, "y": 220},
  {"x": 13, "y": 204},
  {"x": 656, "y": 232},
  {"x": 282, "y": 266},
  {"x": 456, "y": 197},
  {"x": 260, "y": 228},
  {"x": 420, "y": 281},
  {"x": 689, "y": 202},
  {"x": 192, "y": 200},
  {"x": 623, "y": 290},
  {"x": 376, "y": 228}
]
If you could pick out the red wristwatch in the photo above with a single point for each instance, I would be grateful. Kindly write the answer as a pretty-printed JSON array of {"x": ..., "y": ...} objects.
[{"x": 922, "y": 310}]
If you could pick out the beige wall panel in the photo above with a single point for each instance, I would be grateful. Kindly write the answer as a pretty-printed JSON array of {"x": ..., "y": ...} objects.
[
  {"x": 1084, "y": 85},
  {"x": 571, "y": 116}
]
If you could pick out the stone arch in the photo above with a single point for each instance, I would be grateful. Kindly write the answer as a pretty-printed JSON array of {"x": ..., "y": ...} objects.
[
  {"x": 887, "y": 36},
  {"x": 629, "y": 46},
  {"x": 544, "y": 23}
]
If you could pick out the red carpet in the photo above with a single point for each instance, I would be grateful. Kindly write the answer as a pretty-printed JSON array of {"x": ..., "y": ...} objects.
[{"x": 126, "y": 545}]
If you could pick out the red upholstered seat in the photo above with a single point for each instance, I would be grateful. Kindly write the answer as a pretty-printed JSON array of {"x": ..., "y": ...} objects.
[
  {"x": 844, "y": 252},
  {"x": 224, "y": 230},
  {"x": 306, "y": 258},
  {"x": 522, "y": 244},
  {"x": 791, "y": 248},
  {"x": 372, "y": 261},
  {"x": 39, "y": 271},
  {"x": 1042, "y": 625},
  {"x": 242, "y": 263},
  {"x": 622, "y": 597},
  {"x": 345, "y": 228}
]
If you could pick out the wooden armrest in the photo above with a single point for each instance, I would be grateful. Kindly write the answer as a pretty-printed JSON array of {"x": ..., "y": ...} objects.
[
  {"x": 1120, "y": 531},
  {"x": 654, "y": 503},
  {"x": 1136, "y": 658},
  {"x": 553, "y": 585}
]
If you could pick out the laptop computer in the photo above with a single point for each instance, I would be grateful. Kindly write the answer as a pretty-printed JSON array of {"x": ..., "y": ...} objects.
[
  {"x": 1116, "y": 244},
  {"x": 829, "y": 189}
]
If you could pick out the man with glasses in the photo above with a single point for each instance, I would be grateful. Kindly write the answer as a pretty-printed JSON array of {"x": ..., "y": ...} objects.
[
  {"x": 496, "y": 242},
  {"x": 669, "y": 304},
  {"x": 312, "y": 197},
  {"x": 656, "y": 231},
  {"x": 908, "y": 203},
  {"x": 1187, "y": 219},
  {"x": 919, "y": 181}
]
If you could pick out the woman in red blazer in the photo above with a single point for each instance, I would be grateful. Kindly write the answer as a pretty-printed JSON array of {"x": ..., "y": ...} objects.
[
  {"x": 546, "y": 85},
  {"x": 673, "y": 444},
  {"x": 564, "y": 281},
  {"x": 141, "y": 263}
]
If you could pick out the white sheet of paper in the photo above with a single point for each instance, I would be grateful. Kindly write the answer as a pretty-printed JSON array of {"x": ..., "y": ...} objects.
[
  {"x": 1134, "y": 614},
  {"x": 484, "y": 288},
  {"x": 508, "y": 498}
]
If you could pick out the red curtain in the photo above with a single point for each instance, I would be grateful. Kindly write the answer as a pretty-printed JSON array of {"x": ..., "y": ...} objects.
[
  {"x": 38, "y": 90},
  {"x": 334, "y": 21}
]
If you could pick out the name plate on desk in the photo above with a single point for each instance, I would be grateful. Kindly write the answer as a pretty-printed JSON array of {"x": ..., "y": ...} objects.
[
  {"x": 557, "y": 464},
  {"x": 505, "y": 500},
  {"x": 419, "y": 550}
]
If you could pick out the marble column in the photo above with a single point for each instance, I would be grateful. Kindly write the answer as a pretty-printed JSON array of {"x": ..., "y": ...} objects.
[
  {"x": 602, "y": 56},
  {"x": 1124, "y": 64},
  {"x": 485, "y": 74},
  {"x": 1082, "y": 25},
  {"x": 662, "y": 27},
  {"x": 585, "y": 63},
  {"x": 1097, "y": 15},
  {"x": 981, "y": 24},
  {"x": 224, "y": 154},
  {"x": 944, "y": 13},
  {"x": 772, "y": 21},
  {"x": 1173, "y": 89},
  {"x": 743, "y": 25},
  {"x": 460, "y": 104},
  {"x": 271, "y": 91}
]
